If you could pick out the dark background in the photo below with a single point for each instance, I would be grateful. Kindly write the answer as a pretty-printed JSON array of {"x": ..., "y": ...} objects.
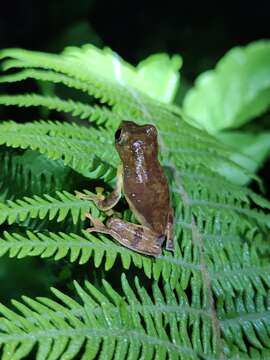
[{"x": 200, "y": 31}]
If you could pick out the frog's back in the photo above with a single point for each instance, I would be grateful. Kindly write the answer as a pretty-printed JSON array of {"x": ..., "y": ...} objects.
[
  {"x": 147, "y": 193},
  {"x": 145, "y": 185}
]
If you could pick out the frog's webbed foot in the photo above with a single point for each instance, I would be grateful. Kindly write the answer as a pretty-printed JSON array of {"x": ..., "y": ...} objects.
[
  {"x": 96, "y": 198},
  {"x": 169, "y": 232},
  {"x": 160, "y": 240},
  {"x": 169, "y": 245}
]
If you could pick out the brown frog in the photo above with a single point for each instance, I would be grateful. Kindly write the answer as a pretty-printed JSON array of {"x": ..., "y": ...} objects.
[{"x": 144, "y": 185}]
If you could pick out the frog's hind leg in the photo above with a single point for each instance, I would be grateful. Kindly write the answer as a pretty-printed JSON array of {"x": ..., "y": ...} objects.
[
  {"x": 135, "y": 237},
  {"x": 169, "y": 231},
  {"x": 132, "y": 236},
  {"x": 99, "y": 227}
]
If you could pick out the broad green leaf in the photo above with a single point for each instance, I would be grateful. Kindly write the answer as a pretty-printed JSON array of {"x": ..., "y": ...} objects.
[
  {"x": 250, "y": 151},
  {"x": 160, "y": 76},
  {"x": 236, "y": 91},
  {"x": 157, "y": 76}
]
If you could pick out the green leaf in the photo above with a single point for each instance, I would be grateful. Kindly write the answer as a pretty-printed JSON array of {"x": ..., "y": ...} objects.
[
  {"x": 159, "y": 77},
  {"x": 251, "y": 150},
  {"x": 236, "y": 91}
]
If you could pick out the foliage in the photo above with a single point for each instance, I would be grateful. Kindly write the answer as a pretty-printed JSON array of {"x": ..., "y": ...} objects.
[
  {"x": 234, "y": 93},
  {"x": 209, "y": 299}
]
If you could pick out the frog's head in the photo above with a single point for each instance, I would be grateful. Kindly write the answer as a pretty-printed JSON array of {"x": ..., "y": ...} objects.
[{"x": 131, "y": 138}]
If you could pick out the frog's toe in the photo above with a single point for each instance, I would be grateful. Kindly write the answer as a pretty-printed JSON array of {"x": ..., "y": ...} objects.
[
  {"x": 169, "y": 245},
  {"x": 160, "y": 240}
]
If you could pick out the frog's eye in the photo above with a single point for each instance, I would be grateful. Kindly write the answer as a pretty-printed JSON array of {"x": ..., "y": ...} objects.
[{"x": 118, "y": 135}]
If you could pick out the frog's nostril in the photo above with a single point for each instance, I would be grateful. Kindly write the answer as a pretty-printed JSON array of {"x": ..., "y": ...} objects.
[{"x": 117, "y": 135}]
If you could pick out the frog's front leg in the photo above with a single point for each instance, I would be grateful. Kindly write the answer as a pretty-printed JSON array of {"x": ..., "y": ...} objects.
[
  {"x": 106, "y": 204},
  {"x": 136, "y": 237}
]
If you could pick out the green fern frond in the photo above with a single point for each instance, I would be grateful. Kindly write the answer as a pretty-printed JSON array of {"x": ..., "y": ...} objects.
[
  {"x": 49, "y": 76},
  {"x": 200, "y": 177},
  {"x": 106, "y": 91},
  {"x": 233, "y": 267},
  {"x": 115, "y": 327},
  {"x": 205, "y": 204},
  {"x": 79, "y": 154},
  {"x": 98, "y": 325},
  {"x": 127, "y": 103},
  {"x": 81, "y": 247},
  {"x": 68, "y": 130},
  {"x": 58, "y": 207},
  {"x": 83, "y": 111},
  {"x": 209, "y": 299},
  {"x": 30, "y": 173}
]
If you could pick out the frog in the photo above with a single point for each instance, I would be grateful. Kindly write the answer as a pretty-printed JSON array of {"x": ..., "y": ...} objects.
[{"x": 141, "y": 179}]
